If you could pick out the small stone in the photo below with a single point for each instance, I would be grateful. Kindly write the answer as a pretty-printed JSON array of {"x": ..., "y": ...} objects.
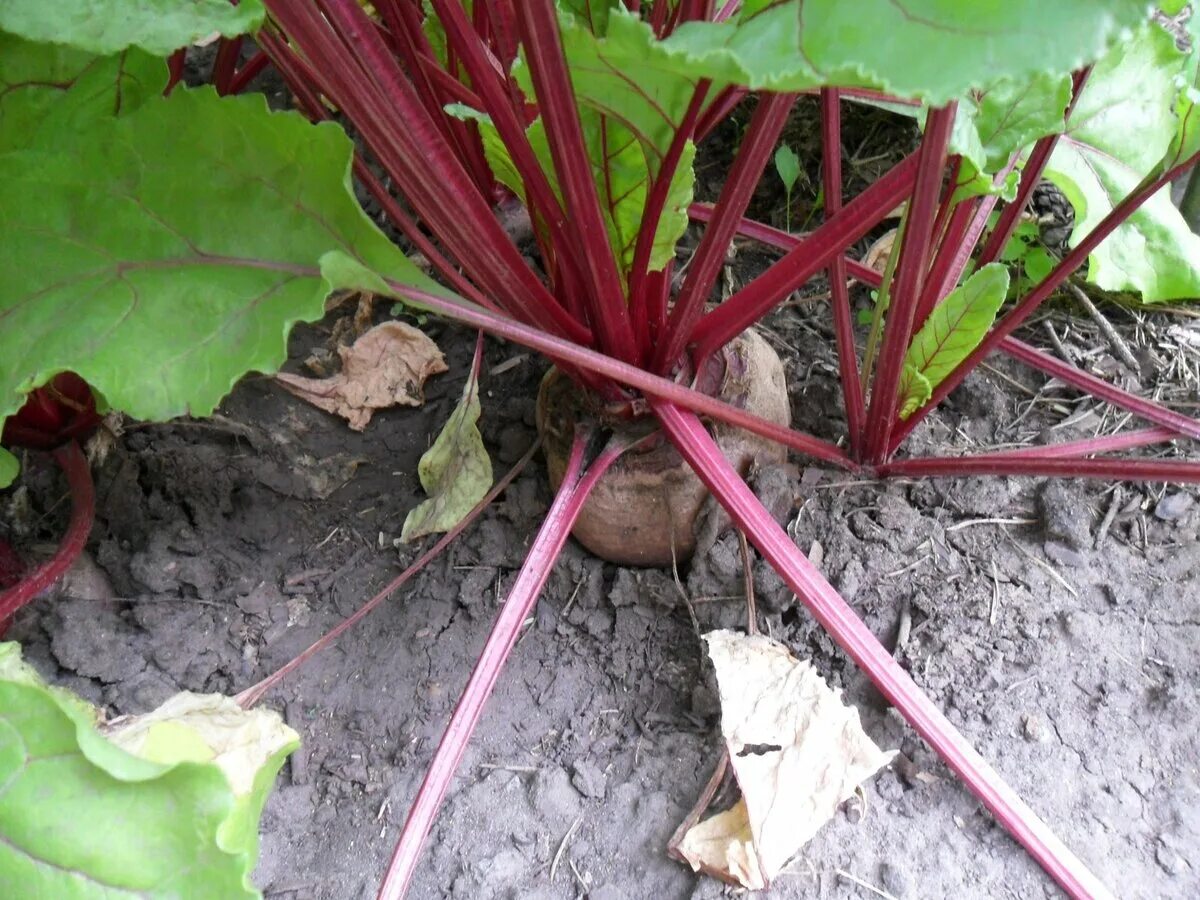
[
  {"x": 894, "y": 880},
  {"x": 588, "y": 779},
  {"x": 1034, "y": 729},
  {"x": 1174, "y": 506}
]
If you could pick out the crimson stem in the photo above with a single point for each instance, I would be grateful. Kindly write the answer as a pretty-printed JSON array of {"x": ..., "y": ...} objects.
[
  {"x": 73, "y": 462},
  {"x": 577, "y": 485},
  {"x": 695, "y": 444}
]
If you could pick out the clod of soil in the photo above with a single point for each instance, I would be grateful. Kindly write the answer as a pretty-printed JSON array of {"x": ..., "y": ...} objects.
[{"x": 643, "y": 512}]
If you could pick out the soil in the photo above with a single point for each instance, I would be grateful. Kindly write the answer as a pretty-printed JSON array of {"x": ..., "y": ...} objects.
[
  {"x": 225, "y": 546},
  {"x": 1056, "y": 623}
]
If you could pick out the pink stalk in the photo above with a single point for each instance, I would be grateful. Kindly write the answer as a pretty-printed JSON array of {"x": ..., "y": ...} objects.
[
  {"x": 835, "y": 616},
  {"x": 225, "y": 63},
  {"x": 1126, "y": 440},
  {"x": 1171, "y": 470},
  {"x": 647, "y": 383},
  {"x": 368, "y": 85},
  {"x": 832, "y": 238},
  {"x": 256, "y": 692},
  {"x": 718, "y": 111},
  {"x": 292, "y": 69},
  {"x": 556, "y": 528},
  {"x": 1030, "y": 176},
  {"x": 656, "y": 199},
  {"x": 496, "y": 102},
  {"x": 941, "y": 280},
  {"x": 248, "y": 72},
  {"x": 782, "y": 240},
  {"x": 564, "y": 133},
  {"x": 906, "y": 292},
  {"x": 1098, "y": 387},
  {"x": 74, "y": 464},
  {"x": 1016, "y": 316},
  {"x": 411, "y": 44},
  {"x": 839, "y": 294},
  {"x": 757, "y": 145},
  {"x": 176, "y": 63}
]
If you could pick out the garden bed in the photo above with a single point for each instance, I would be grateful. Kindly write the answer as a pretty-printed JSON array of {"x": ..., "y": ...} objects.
[{"x": 228, "y": 545}]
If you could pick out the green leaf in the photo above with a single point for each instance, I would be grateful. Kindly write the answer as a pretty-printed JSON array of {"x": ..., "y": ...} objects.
[
  {"x": 106, "y": 26},
  {"x": 495, "y": 151},
  {"x": 1121, "y": 129},
  {"x": 81, "y": 817},
  {"x": 168, "y": 252},
  {"x": 915, "y": 390},
  {"x": 994, "y": 122},
  {"x": 935, "y": 50},
  {"x": 456, "y": 471},
  {"x": 9, "y": 467},
  {"x": 787, "y": 164},
  {"x": 621, "y": 173},
  {"x": 52, "y": 93},
  {"x": 630, "y": 114},
  {"x": 1186, "y": 142},
  {"x": 952, "y": 331}
]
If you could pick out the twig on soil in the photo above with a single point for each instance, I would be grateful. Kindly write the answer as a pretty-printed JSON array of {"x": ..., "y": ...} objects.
[
  {"x": 687, "y": 601},
  {"x": 563, "y": 846},
  {"x": 1114, "y": 338},
  {"x": 967, "y": 523},
  {"x": 904, "y": 628},
  {"x": 253, "y": 694},
  {"x": 1042, "y": 564},
  {"x": 748, "y": 580},
  {"x": 995, "y": 604},
  {"x": 879, "y": 892},
  {"x": 1066, "y": 354},
  {"x": 702, "y": 802},
  {"x": 1110, "y": 516}
]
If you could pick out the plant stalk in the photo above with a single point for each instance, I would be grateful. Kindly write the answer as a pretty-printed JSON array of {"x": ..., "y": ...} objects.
[
  {"x": 1180, "y": 471},
  {"x": 839, "y": 231},
  {"x": 835, "y": 616},
  {"x": 73, "y": 462},
  {"x": 542, "y": 42},
  {"x": 556, "y": 528},
  {"x": 781, "y": 240},
  {"x": 574, "y": 355},
  {"x": 761, "y": 137},
  {"x": 1016, "y": 316},
  {"x": 839, "y": 293},
  {"x": 910, "y": 278}
]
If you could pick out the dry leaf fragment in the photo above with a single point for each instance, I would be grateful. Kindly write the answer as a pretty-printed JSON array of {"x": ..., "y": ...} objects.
[
  {"x": 385, "y": 367},
  {"x": 877, "y": 254},
  {"x": 797, "y": 751}
]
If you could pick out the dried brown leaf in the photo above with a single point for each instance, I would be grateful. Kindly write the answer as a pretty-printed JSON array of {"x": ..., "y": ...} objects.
[
  {"x": 797, "y": 750},
  {"x": 385, "y": 367}
]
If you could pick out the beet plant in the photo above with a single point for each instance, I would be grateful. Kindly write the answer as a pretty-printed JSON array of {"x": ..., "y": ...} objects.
[{"x": 160, "y": 247}]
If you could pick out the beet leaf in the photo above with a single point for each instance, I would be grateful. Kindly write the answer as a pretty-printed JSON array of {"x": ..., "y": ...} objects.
[{"x": 106, "y": 26}]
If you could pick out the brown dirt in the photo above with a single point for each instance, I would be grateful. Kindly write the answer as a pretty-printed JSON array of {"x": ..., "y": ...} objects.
[{"x": 230, "y": 544}]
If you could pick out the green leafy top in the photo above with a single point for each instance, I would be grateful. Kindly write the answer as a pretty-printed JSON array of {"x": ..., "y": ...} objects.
[
  {"x": 930, "y": 50},
  {"x": 65, "y": 827},
  {"x": 180, "y": 240},
  {"x": 1123, "y": 127},
  {"x": 105, "y": 26}
]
